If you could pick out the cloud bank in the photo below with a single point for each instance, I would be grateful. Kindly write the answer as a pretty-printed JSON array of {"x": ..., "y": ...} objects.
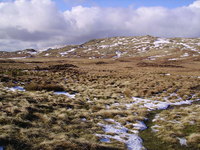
[{"x": 40, "y": 24}]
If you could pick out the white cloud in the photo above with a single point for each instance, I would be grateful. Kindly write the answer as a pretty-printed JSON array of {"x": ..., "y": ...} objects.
[
  {"x": 196, "y": 4},
  {"x": 38, "y": 24},
  {"x": 75, "y": 1}
]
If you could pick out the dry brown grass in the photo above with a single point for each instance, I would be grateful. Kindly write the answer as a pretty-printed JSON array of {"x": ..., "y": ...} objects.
[
  {"x": 41, "y": 119},
  {"x": 194, "y": 138}
]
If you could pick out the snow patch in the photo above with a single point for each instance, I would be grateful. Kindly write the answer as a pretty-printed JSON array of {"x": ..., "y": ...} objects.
[
  {"x": 185, "y": 55},
  {"x": 104, "y": 46},
  {"x": 71, "y": 50},
  {"x": 182, "y": 103},
  {"x": 150, "y": 104},
  {"x": 174, "y": 59},
  {"x": 140, "y": 125},
  {"x": 161, "y": 41},
  {"x": 182, "y": 141},
  {"x": 155, "y": 128},
  {"x": 92, "y": 57},
  {"x": 16, "y": 88},
  {"x": 122, "y": 134},
  {"x": 17, "y": 58},
  {"x": 188, "y": 47},
  {"x": 112, "y": 45},
  {"x": 65, "y": 93},
  {"x": 32, "y": 53},
  {"x": 84, "y": 119},
  {"x": 63, "y": 53},
  {"x": 154, "y": 57},
  {"x": 118, "y": 53},
  {"x": 158, "y": 105}
]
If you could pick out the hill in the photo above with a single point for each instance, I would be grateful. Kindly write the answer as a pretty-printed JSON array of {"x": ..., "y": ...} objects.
[{"x": 148, "y": 47}]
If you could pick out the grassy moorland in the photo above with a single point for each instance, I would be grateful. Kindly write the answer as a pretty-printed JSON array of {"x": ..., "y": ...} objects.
[{"x": 101, "y": 110}]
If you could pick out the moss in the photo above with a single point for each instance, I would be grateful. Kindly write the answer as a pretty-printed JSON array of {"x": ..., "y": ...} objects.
[{"x": 188, "y": 129}]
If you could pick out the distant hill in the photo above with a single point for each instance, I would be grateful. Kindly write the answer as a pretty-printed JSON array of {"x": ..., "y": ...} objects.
[
  {"x": 19, "y": 54},
  {"x": 148, "y": 47}
]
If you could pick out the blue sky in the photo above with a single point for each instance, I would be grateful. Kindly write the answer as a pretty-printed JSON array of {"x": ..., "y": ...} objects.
[{"x": 67, "y": 4}]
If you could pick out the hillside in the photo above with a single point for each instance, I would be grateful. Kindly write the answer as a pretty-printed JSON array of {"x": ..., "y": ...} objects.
[{"x": 148, "y": 47}]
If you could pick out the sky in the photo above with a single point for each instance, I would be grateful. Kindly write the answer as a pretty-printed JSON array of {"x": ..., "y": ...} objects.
[
  {"x": 66, "y": 4},
  {"x": 41, "y": 24}
]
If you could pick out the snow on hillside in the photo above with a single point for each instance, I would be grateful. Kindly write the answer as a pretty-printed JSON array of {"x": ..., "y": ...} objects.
[
  {"x": 116, "y": 47},
  {"x": 161, "y": 41}
]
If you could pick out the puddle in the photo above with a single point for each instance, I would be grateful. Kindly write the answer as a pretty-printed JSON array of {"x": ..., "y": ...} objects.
[{"x": 105, "y": 140}]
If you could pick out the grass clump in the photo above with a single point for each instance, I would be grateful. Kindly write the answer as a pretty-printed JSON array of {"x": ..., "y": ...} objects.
[{"x": 47, "y": 87}]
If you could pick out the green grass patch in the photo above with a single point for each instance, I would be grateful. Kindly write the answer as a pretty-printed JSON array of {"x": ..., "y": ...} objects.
[{"x": 152, "y": 142}]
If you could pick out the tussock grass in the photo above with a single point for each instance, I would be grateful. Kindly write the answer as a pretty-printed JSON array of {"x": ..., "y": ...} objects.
[
  {"x": 194, "y": 138},
  {"x": 47, "y": 87},
  {"x": 39, "y": 119}
]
